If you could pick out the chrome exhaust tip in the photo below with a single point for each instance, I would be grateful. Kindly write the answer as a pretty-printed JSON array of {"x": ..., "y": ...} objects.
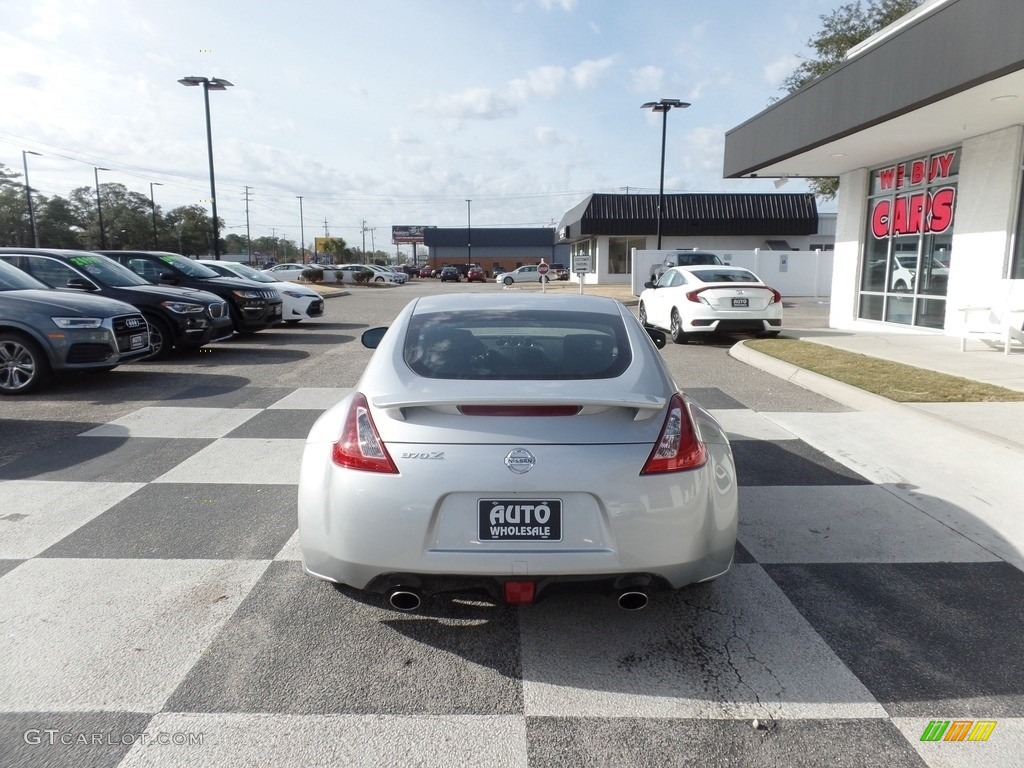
[
  {"x": 402, "y": 599},
  {"x": 633, "y": 600}
]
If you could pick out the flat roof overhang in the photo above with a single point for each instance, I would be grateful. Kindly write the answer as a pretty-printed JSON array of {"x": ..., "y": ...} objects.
[{"x": 955, "y": 71}]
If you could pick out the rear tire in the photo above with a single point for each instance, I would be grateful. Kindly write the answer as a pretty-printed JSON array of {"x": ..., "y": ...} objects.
[
  {"x": 23, "y": 365},
  {"x": 768, "y": 335},
  {"x": 679, "y": 336}
]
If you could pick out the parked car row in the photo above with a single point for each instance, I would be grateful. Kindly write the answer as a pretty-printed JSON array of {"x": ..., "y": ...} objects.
[{"x": 63, "y": 310}]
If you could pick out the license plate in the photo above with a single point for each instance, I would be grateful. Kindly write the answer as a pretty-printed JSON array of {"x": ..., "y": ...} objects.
[
  {"x": 520, "y": 519},
  {"x": 138, "y": 340},
  {"x": 741, "y": 302}
]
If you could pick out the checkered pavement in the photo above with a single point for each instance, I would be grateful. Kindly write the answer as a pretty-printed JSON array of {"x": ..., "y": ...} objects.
[{"x": 153, "y": 612}]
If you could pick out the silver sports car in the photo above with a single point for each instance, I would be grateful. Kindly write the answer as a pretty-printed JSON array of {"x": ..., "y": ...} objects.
[{"x": 516, "y": 444}]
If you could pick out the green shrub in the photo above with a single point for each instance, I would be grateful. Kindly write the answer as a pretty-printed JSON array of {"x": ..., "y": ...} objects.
[{"x": 313, "y": 275}]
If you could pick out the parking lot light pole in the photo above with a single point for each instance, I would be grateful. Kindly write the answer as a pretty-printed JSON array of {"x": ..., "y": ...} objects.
[
  {"x": 152, "y": 205},
  {"x": 664, "y": 106},
  {"x": 302, "y": 233},
  {"x": 28, "y": 195},
  {"x": 210, "y": 84},
  {"x": 469, "y": 232},
  {"x": 99, "y": 205}
]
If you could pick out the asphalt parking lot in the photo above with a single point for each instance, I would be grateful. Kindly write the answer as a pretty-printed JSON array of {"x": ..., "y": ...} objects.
[{"x": 154, "y": 611}]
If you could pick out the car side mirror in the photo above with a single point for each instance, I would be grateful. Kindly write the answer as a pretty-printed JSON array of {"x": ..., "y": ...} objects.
[
  {"x": 372, "y": 337},
  {"x": 81, "y": 284},
  {"x": 659, "y": 338},
  {"x": 650, "y": 284},
  {"x": 168, "y": 277}
]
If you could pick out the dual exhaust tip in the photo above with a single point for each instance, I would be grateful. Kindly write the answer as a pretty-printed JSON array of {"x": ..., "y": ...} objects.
[{"x": 406, "y": 599}]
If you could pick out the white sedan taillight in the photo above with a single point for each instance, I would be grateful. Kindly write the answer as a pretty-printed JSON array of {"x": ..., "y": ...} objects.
[
  {"x": 360, "y": 446},
  {"x": 678, "y": 447}
]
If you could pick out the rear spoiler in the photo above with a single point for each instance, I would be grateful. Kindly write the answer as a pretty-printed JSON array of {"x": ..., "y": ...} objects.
[{"x": 646, "y": 406}]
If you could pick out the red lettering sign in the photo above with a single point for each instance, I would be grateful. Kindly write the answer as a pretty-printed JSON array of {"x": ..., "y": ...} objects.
[
  {"x": 916, "y": 171},
  {"x": 912, "y": 214}
]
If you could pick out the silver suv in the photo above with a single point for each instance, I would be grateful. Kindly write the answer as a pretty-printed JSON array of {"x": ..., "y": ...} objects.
[
  {"x": 45, "y": 331},
  {"x": 683, "y": 259}
]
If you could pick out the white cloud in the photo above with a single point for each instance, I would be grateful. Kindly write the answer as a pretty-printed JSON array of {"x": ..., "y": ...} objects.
[
  {"x": 778, "y": 70},
  {"x": 587, "y": 74},
  {"x": 565, "y": 5},
  {"x": 475, "y": 104},
  {"x": 546, "y": 135},
  {"x": 648, "y": 79}
]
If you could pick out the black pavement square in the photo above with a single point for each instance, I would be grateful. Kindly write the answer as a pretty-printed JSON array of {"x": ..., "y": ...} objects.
[
  {"x": 301, "y": 646},
  {"x": 743, "y": 554},
  {"x": 94, "y": 739},
  {"x": 110, "y": 459},
  {"x": 8, "y": 565},
  {"x": 663, "y": 743},
  {"x": 172, "y": 520},
  {"x": 713, "y": 398},
  {"x": 927, "y": 639},
  {"x": 278, "y": 423},
  {"x": 788, "y": 462},
  {"x": 212, "y": 396}
]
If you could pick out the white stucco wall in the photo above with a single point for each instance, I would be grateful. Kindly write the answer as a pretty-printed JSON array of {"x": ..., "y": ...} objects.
[
  {"x": 985, "y": 210},
  {"x": 853, "y": 204}
]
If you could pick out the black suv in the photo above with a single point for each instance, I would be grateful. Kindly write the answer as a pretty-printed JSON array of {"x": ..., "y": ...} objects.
[
  {"x": 683, "y": 259},
  {"x": 253, "y": 306},
  {"x": 177, "y": 317}
]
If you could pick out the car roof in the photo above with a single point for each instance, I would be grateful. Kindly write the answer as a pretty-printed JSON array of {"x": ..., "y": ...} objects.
[{"x": 477, "y": 301}]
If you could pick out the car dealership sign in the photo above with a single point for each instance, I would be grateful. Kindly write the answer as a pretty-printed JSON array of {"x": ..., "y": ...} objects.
[
  {"x": 928, "y": 209},
  {"x": 407, "y": 234}
]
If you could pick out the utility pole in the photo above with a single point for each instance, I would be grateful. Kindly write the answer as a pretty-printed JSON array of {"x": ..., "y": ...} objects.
[
  {"x": 248, "y": 234},
  {"x": 364, "y": 239}
]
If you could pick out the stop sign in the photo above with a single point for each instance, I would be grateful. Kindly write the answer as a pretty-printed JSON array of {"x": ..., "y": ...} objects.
[{"x": 543, "y": 268}]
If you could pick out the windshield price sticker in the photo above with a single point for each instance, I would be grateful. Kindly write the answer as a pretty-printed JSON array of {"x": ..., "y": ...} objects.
[{"x": 520, "y": 519}]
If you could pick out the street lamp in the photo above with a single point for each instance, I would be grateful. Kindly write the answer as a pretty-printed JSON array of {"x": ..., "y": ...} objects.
[
  {"x": 664, "y": 106},
  {"x": 152, "y": 205},
  {"x": 302, "y": 232},
  {"x": 210, "y": 84},
  {"x": 99, "y": 206},
  {"x": 28, "y": 195},
  {"x": 469, "y": 232}
]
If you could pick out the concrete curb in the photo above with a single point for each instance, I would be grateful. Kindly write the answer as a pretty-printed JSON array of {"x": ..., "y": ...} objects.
[
  {"x": 852, "y": 397},
  {"x": 849, "y": 396}
]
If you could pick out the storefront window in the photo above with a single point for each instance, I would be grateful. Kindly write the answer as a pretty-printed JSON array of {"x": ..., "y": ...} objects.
[
  {"x": 908, "y": 240},
  {"x": 619, "y": 253}
]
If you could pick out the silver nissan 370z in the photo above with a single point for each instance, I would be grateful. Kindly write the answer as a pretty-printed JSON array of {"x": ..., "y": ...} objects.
[{"x": 516, "y": 445}]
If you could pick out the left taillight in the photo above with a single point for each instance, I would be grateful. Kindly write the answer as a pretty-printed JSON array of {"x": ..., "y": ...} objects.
[
  {"x": 678, "y": 447},
  {"x": 360, "y": 446}
]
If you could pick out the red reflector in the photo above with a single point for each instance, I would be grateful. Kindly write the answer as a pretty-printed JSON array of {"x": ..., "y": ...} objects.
[
  {"x": 519, "y": 410},
  {"x": 520, "y": 592}
]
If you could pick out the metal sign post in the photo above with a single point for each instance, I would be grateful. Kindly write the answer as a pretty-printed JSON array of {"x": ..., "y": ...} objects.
[{"x": 543, "y": 269}]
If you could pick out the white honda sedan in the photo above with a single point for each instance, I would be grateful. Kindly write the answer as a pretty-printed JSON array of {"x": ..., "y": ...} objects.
[
  {"x": 511, "y": 445},
  {"x": 702, "y": 300},
  {"x": 529, "y": 273}
]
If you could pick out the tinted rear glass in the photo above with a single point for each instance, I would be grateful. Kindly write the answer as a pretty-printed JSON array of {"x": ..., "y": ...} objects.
[
  {"x": 725, "y": 276},
  {"x": 509, "y": 345}
]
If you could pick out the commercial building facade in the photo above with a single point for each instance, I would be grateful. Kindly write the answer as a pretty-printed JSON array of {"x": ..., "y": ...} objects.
[{"x": 924, "y": 125}]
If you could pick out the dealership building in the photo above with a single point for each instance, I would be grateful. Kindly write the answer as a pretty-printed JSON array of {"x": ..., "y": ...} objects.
[{"x": 923, "y": 124}]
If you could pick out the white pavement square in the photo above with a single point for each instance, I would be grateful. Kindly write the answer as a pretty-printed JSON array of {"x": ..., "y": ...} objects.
[
  {"x": 175, "y": 422},
  {"x": 312, "y": 398},
  {"x": 105, "y": 635},
  {"x": 248, "y": 461},
  {"x": 742, "y": 424},
  {"x": 736, "y": 648},
  {"x": 846, "y": 524}
]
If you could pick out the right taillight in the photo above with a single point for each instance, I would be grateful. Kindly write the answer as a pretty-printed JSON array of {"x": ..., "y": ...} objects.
[
  {"x": 360, "y": 446},
  {"x": 678, "y": 447}
]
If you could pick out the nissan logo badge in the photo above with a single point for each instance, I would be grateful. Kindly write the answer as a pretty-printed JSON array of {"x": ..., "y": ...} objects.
[{"x": 520, "y": 461}]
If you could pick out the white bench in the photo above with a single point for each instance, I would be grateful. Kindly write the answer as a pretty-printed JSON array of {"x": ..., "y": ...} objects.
[{"x": 999, "y": 324}]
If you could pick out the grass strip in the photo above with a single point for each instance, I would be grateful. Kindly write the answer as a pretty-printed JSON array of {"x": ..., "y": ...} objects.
[{"x": 896, "y": 381}]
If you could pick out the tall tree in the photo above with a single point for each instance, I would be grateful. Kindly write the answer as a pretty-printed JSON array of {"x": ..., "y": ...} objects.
[
  {"x": 842, "y": 29},
  {"x": 56, "y": 224},
  {"x": 14, "y": 227}
]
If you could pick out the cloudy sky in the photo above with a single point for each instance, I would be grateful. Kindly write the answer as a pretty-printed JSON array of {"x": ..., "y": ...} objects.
[{"x": 392, "y": 112}]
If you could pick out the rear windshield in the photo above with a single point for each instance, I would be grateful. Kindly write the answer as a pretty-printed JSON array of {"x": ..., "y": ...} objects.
[
  {"x": 725, "y": 276},
  {"x": 506, "y": 345}
]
